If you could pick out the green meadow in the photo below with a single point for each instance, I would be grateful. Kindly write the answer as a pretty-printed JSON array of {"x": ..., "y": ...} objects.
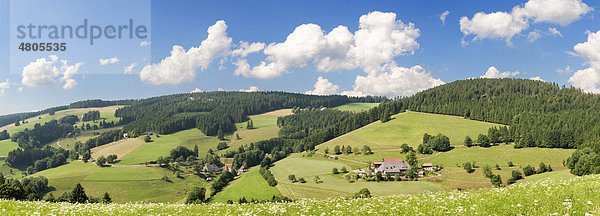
[
  {"x": 161, "y": 146},
  {"x": 124, "y": 184},
  {"x": 250, "y": 185},
  {"x": 356, "y": 107},
  {"x": 409, "y": 127},
  {"x": 333, "y": 186}
]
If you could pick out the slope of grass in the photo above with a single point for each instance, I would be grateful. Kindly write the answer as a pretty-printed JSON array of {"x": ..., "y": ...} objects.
[
  {"x": 501, "y": 155},
  {"x": 574, "y": 196},
  {"x": 162, "y": 146},
  {"x": 250, "y": 185},
  {"x": 124, "y": 184},
  {"x": 269, "y": 118},
  {"x": 106, "y": 113},
  {"x": 409, "y": 128},
  {"x": 7, "y": 146},
  {"x": 333, "y": 186},
  {"x": 356, "y": 107},
  {"x": 121, "y": 148}
]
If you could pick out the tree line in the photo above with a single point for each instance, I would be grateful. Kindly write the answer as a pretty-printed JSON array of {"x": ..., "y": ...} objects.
[{"x": 212, "y": 112}]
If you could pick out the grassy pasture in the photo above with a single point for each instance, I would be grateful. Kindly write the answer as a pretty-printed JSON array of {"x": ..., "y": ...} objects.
[
  {"x": 106, "y": 113},
  {"x": 501, "y": 155},
  {"x": 121, "y": 148},
  {"x": 268, "y": 119},
  {"x": 162, "y": 145},
  {"x": 356, "y": 107},
  {"x": 124, "y": 184},
  {"x": 250, "y": 185},
  {"x": 409, "y": 127},
  {"x": 7, "y": 146},
  {"x": 333, "y": 185}
]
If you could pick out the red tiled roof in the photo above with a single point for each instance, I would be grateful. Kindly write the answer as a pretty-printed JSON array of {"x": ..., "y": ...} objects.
[
  {"x": 229, "y": 165},
  {"x": 392, "y": 159}
]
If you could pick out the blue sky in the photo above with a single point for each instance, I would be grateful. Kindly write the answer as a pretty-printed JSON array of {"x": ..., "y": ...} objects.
[{"x": 438, "y": 53}]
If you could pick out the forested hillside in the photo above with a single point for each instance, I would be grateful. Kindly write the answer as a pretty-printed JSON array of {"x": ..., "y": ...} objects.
[
  {"x": 212, "y": 112},
  {"x": 539, "y": 114}
]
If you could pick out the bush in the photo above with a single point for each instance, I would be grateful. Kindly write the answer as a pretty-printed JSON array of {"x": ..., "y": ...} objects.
[
  {"x": 334, "y": 171},
  {"x": 101, "y": 161},
  {"x": 528, "y": 170},
  {"x": 147, "y": 138},
  {"x": 222, "y": 145},
  {"x": 468, "y": 167},
  {"x": 363, "y": 193},
  {"x": 292, "y": 178},
  {"x": 196, "y": 195}
]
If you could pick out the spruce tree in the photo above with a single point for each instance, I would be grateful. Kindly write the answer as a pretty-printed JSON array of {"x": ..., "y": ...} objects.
[{"x": 78, "y": 194}]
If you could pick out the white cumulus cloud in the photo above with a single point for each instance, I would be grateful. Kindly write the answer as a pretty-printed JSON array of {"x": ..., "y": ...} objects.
[
  {"x": 251, "y": 89},
  {"x": 392, "y": 81},
  {"x": 196, "y": 90},
  {"x": 588, "y": 79},
  {"x": 560, "y": 12},
  {"x": 68, "y": 72},
  {"x": 108, "y": 61},
  {"x": 181, "y": 66},
  {"x": 3, "y": 86},
  {"x": 323, "y": 87},
  {"x": 379, "y": 39},
  {"x": 443, "y": 16},
  {"x": 43, "y": 72},
  {"x": 245, "y": 48},
  {"x": 493, "y": 72},
  {"x": 505, "y": 25}
]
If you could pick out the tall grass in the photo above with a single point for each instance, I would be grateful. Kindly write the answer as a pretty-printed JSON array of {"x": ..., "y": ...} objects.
[{"x": 575, "y": 196}]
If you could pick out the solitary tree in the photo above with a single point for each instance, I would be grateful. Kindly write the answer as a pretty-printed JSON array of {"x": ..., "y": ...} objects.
[
  {"x": 196, "y": 195},
  {"x": 78, "y": 194},
  {"x": 147, "y": 138},
  {"x": 106, "y": 198},
  {"x": 101, "y": 161},
  {"x": 496, "y": 180},
  {"x": 335, "y": 171},
  {"x": 468, "y": 141},
  {"x": 292, "y": 178},
  {"x": 336, "y": 150},
  {"x": 468, "y": 167},
  {"x": 528, "y": 170}
]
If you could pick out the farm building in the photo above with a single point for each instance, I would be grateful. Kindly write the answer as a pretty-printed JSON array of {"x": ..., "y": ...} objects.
[
  {"x": 242, "y": 169},
  {"x": 229, "y": 167},
  {"x": 427, "y": 166},
  {"x": 211, "y": 168},
  {"x": 392, "y": 166}
]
